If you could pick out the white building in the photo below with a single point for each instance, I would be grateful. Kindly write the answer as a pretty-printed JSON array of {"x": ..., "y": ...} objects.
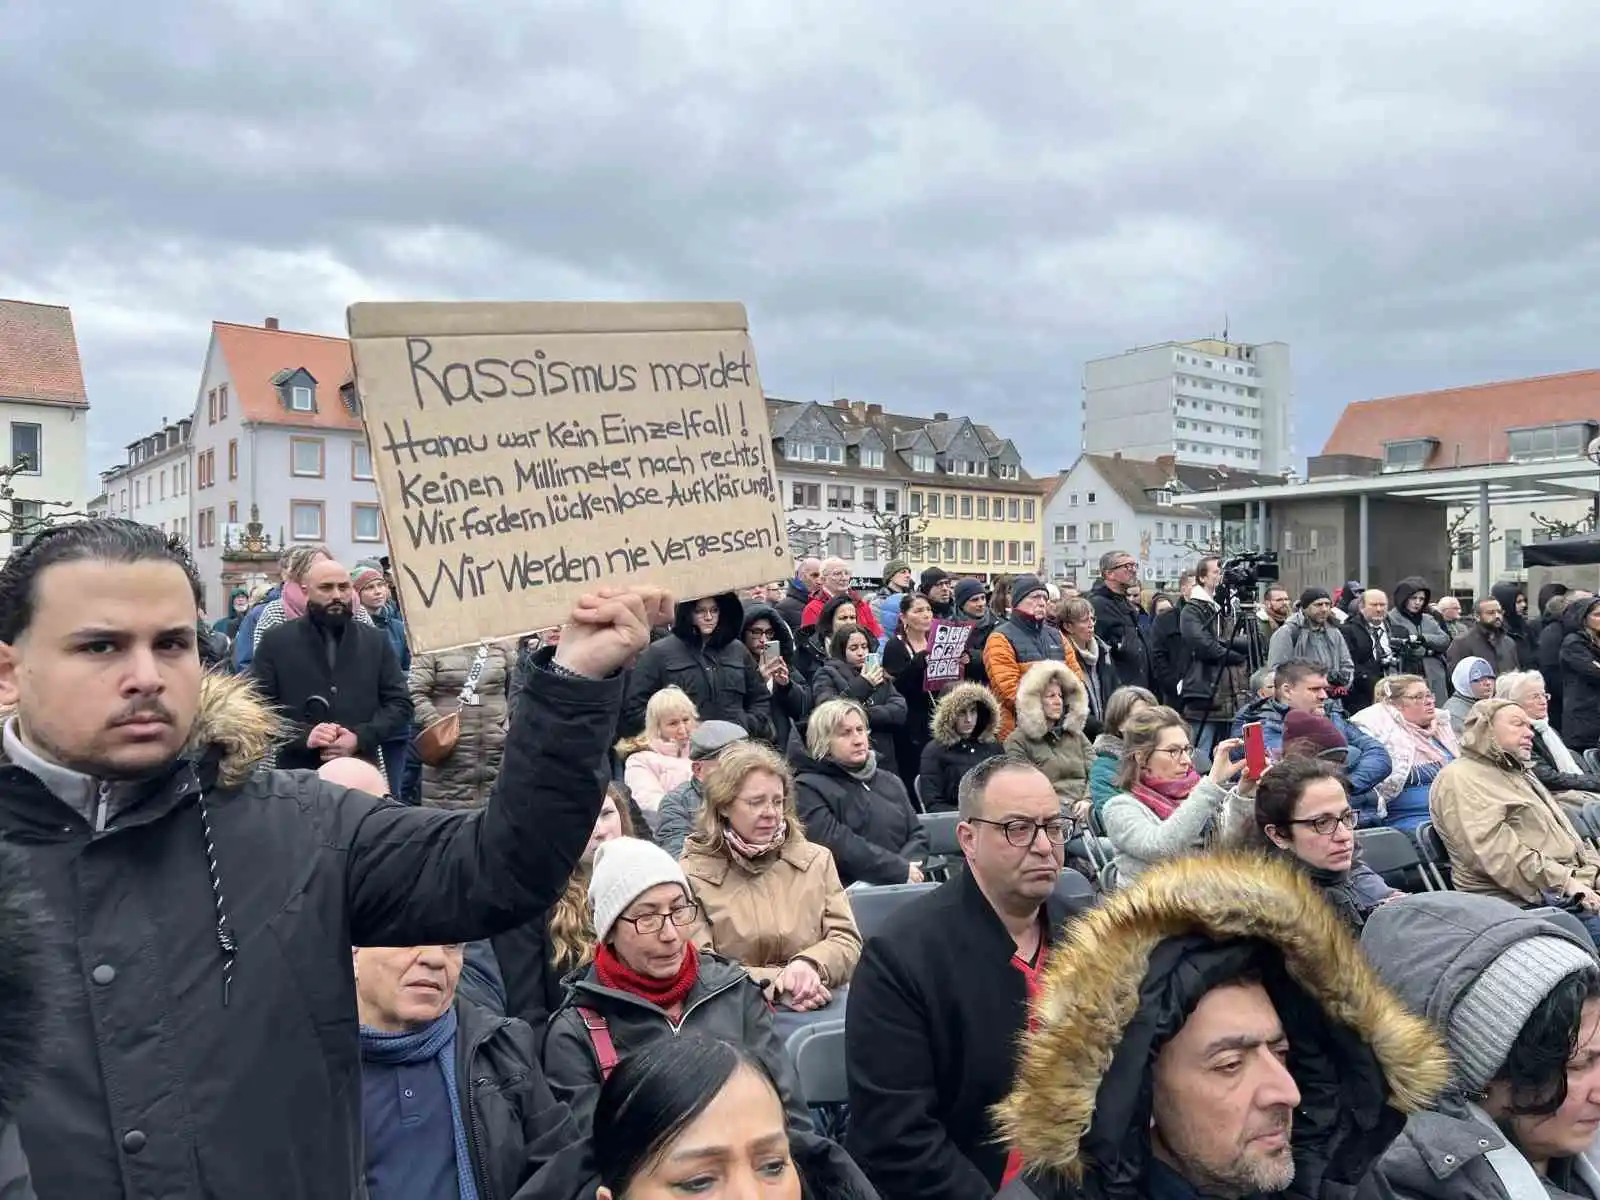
[
  {"x": 44, "y": 413},
  {"x": 1208, "y": 402},
  {"x": 1111, "y": 502},
  {"x": 277, "y": 431},
  {"x": 152, "y": 487}
]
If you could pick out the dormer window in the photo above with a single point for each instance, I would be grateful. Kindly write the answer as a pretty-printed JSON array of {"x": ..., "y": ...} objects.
[
  {"x": 816, "y": 452},
  {"x": 872, "y": 460},
  {"x": 922, "y": 462},
  {"x": 1410, "y": 455},
  {"x": 1550, "y": 442},
  {"x": 300, "y": 398},
  {"x": 1162, "y": 496},
  {"x": 1007, "y": 471},
  {"x": 967, "y": 466}
]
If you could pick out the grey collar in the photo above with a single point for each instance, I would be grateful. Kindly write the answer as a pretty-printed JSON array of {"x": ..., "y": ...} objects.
[{"x": 94, "y": 800}]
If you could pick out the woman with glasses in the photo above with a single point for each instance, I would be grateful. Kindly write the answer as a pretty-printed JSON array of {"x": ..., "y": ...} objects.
[
  {"x": 769, "y": 899},
  {"x": 648, "y": 981},
  {"x": 1553, "y": 764},
  {"x": 1164, "y": 808},
  {"x": 1303, "y": 810},
  {"x": 1421, "y": 742}
]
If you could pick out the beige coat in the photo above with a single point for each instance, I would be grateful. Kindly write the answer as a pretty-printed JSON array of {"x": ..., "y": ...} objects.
[
  {"x": 467, "y": 777},
  {"x": 795, "y": 907},
  {"x": 1505, "y": 833},
  {"x": 1062, "y": 752}
]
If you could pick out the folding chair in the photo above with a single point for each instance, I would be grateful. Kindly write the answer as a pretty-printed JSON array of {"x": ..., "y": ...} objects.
[
  {"x": 1394, "y": 856},
  {"x": 1435, "y": 858},
  {"x": 916, "y": 788},
  {"x": 944, "y": 850},
  {"x": 1074, "y": 890},
  {"x": 817, "y": 1052},
  {"x": 1108, "y": 878},
  {"x": 873, "y": 906}
]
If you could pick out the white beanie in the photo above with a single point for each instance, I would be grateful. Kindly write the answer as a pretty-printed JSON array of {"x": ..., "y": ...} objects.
[{"x": 624, "y": 870}]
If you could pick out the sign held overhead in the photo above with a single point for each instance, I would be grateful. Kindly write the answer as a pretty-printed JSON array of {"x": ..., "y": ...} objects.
[{"x": 526, "y": 453}]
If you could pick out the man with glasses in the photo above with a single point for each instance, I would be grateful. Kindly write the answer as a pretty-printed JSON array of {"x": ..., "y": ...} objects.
[
  {"x": 942, "y": 993},
  {"x": 1116, "y": 619}
]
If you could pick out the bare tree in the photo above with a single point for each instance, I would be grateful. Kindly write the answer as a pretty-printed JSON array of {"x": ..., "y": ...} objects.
[
  {"x": 23, "y": 518},
  {"x": 893, "y": 532},
  {"x": 1464, "y": 540},
  {"x": 1558, "y": 528},
  {"x": 806, "y": 538}
]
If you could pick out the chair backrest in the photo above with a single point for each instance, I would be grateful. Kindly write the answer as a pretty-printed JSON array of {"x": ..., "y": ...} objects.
[
  {"x": 1390, "y": 853},
  {"x": 817, "y": 1052},
  {"x": 1108, "y": 877},
  {"x": 916, "y": 790},
  {"x": 1435, "y": 858},
  {"x": 1096, "y": 825},
  {"x": 872, "y": 906},
  {"x": 941, "y": 827},
  {"x": 1074, "y": 890}
]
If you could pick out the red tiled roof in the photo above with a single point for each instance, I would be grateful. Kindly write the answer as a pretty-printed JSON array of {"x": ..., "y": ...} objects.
[
  {"x": 255, "y": 354},
  {"x": 39, "y": 354},
  {"x": 1469, "y": 423}
]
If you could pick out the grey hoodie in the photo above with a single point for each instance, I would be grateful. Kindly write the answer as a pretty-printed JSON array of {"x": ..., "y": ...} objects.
[
  {"x": 1298, "y": 639},
  {"x": 1430, "y": 949}
]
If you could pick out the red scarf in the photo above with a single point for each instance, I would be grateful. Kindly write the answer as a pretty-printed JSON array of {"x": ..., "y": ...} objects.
[
  {"x": 665, "y": 994},
  {"x": 1162, "y": 797}
]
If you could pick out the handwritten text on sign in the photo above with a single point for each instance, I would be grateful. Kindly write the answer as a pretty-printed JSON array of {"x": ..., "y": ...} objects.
[
  {"x": 946, "y": 644},
  {"x": 526, "y": 453}
]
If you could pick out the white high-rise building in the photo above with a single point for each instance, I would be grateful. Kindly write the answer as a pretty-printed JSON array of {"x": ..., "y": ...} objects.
[{"x": 1208, "y": 402}]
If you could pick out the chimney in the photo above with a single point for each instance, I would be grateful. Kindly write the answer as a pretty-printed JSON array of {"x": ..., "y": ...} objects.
[
  {"x": 941, "y": 416},
  {"x": 1116, "y": 454},
  {"x": 842, "y": 402},
  {"x": 270, "y": 323},
  {"x": 859, "y": 407},
  {"x": 875, "y": 410}
]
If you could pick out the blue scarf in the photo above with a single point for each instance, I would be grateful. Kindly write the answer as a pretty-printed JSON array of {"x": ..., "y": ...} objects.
[{"x": 437, "y": 1041}]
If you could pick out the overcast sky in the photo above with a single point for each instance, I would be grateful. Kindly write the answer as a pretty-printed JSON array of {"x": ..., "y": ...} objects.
[{"x": 921, "y": 206}]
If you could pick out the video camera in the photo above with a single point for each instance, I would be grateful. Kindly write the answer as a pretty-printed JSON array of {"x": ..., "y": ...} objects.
[{"x": 1243, "y": 574}]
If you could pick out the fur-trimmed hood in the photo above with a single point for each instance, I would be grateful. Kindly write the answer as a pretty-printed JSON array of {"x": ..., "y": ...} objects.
[
  {"x": 957, "y": 700},
  {"x": 233, "y": 725},
  {"x": 1030, "y": 698},
  {"x": 1081, "y": 1102}
]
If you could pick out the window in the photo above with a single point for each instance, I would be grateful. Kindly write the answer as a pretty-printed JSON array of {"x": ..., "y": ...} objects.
[
  {"x": 950, "y": 504},
  {"x": 1205, "y": 532},
  {"x": 233, "y": 458},
  {"x": 983, "y": 550},
  {"x": 806, "y": 495},
  {"x": 1091, "y": 498},
  {"x": 1101, "y": 531},
  {"x": 922, "y": 462},
  {"x": 27, "y": 447},
  {"x": 1028, "y": 511},
  {"x": 950, "y": 549},
  {"x": 1188, "y": 532},
  {"x": 999, "y": 551},
  {"x": 869, "y": 499},
  {"x": 1547, "y": 442},
  {"x": 933, "y": 504},
  {"x": 205, "y": 526},
  {"x": 1061, "y": 533},
  {"x": 841, "y": 497},
  {"x": 891, "y": 500},
  {"x": 222, "y": 402},
  {"x": 300, "y": 400},
  {"x": 1411, "y": 455},
  {"x": 967, "y": 466},
  {"x": 1072, "y": 500},
  {"x": 815, "y": 452},
  {"x": 872, "y": 460},
  {"x": 1014, "y": 552},
  {"x": 966, "y": 508},
  {"x": 932, "y": 545},
  {"x": 161, "y": 479},
  {"x": 1513, "y": 549},
  {"x": 966, "y": 550},
  {"x": 305, "y": 519},
  {"x": 365, "y": 524},
  {"x": 360, "y": 460},
  {"x": 1161, "y": 531},
  {"x": 305, "y": 457},
  {"x": 1072, "y": 533},
  {"x": 916, "y": 504},
  {"x": 1464, "y": 560},
  {"x": 1008, "y": 471},
  {"x": 205, "y": 470},
  {"x": 842, "y": 545},
  {"x": 27, "y": 519},
  {"x": 233, "y": 512},
  {"x": 1013, "y": 510}
]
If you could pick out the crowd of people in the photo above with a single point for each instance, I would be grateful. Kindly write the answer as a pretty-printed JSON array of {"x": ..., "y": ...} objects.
[{"x": 293, "y": 907}]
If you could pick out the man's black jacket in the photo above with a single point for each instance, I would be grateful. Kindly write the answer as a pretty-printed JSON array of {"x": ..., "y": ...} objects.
[
  {"x": 202, "y": 1042},
  {"x": 363, "y": 685}
]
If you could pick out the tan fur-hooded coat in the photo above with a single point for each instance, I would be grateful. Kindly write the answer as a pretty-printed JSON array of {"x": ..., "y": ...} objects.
[
  {"x": 1091, "y": 994},
  {"x": 1062, "y": 751}
]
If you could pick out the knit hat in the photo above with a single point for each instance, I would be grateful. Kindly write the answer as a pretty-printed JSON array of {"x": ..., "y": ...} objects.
[
  {"x": 1024, "y": 586},
  {"x": 1313, "y": 727},
  {"x": 893, "y": 568},
  {"x": 931, "y": 578},
  {"x": 965, "y": 591},
  {"x": 1492, "y": 1011},
  {"x": 712, "y": 738},
  {"x": 624, "y": 870},
  {"x": 1312, "y": 594},
  {"x": 361, "y": 576}
]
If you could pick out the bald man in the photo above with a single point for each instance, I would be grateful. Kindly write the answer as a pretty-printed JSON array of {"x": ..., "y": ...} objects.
[
  {"x": 336, "y": 682},
  {"x": 355, "y": 773},
  {"x": 1374, "y": 648},
  {"x": 807, "y": 579}
]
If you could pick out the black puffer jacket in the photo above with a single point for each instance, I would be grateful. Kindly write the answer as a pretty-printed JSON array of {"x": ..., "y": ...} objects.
[
  {"x": 1116, "y": 622},
  {"x": 175, "y": 1067},
  {"x": 871, "y": 828},
  {"x": 725, "y": 1003},
  {"x": 885, "y": 704},
  {"x": 949, "y": 756},
  {"x": 1580, "y": 679},
  {"x": 717, "y": 673},
  {"x": 22, "y": 1010},
  {"x": 1211, "y": 689},
  {"x": 792, "y": 701}
]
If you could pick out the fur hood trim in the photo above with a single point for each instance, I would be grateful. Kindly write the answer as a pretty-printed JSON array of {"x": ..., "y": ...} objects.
[
  {"x": 955, "y": 701},
  {"x": 1091, "y": 991},
  {"x": 234, "y": 720},
  {"x": 1030, "y": 698}
]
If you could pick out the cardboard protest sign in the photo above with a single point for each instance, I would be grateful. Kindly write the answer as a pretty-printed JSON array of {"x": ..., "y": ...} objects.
[
  {"x": 527, "y": 453},
  {"x": 946, "y": 644}
]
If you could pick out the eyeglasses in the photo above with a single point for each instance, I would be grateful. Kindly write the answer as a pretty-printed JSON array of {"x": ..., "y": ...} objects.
[
  {"x": 1123, "y": 566},
  {"x": 1325, "y": 823},
  {"x": 1418, "y": 698},
  {"x": 1021, "y": 833},
  {"x": 682, "y": 916},
  {"x": 1175, "y": 752}
]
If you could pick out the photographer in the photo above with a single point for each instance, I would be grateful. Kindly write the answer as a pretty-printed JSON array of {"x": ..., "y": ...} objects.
[
  {"x": 1311, "y": 633},
  {"x": 1374, "y": 652},
  {"x": 1420, "y": 637},
  {"x": 1214, "y": 646}
]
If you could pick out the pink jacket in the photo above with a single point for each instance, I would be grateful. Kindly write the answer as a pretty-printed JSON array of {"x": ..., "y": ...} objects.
[{"x": 651, "y": 774}]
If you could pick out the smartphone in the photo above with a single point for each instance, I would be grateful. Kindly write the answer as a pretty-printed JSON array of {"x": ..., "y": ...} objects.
[
  {"x": 875, "y": 659},
  {"x": 1255, "y": 750},
  {"x": 770, "y": 653}
]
